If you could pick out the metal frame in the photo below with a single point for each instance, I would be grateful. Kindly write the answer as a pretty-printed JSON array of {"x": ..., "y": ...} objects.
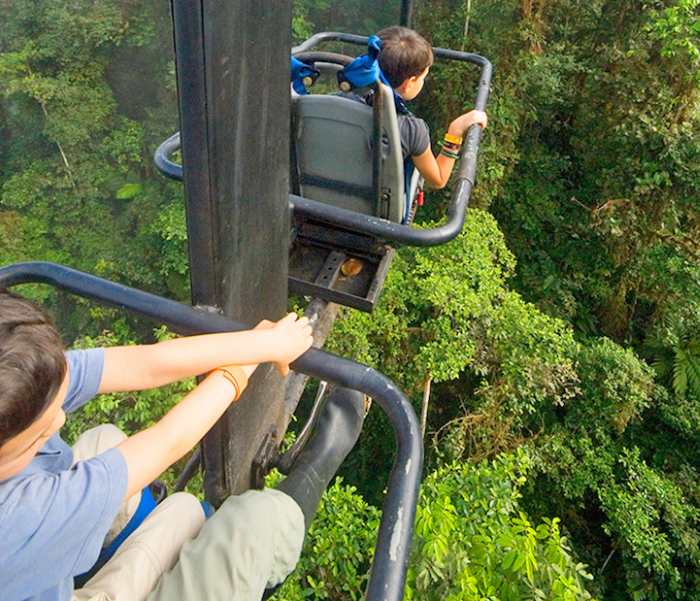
[
  {"x": 388, "y": 575},
  {"x": 406, "y": 13},
  {"x": 381, "y": 228}
]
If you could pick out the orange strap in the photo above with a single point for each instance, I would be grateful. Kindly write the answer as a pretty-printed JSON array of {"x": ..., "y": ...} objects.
[{"x": 235, "y": 375}]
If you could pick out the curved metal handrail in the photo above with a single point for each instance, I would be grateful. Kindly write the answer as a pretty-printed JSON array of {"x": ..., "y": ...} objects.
[
  {"x": 388, "y": 576},
  {"x": 465, "y": 173},
  {"x": 163, "y": 154}
]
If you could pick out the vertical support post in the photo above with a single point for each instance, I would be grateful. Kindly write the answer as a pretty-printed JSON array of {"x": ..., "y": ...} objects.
[
  {"x": 406, "y": 18},
  {"x": 233, "y": 85}
]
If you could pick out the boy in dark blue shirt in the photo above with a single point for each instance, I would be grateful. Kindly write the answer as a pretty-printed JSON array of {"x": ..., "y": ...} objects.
[{"x": 405, "y": 59}]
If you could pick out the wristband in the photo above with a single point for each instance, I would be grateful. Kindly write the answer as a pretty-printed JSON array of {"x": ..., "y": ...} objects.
[
  {"x": 451, "y": 147},
  {"x": 448, "y": 153},
  {"x": 235, "y": 375}
]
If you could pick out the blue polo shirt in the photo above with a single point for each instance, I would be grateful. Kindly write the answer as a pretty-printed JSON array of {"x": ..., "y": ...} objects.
[{"x": 54, "y": 518}]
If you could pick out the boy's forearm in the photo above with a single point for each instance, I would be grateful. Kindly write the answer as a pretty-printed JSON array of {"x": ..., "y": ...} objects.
[
  {"x": 150, "y": 366},
  {"x": 436, "y": 169},
  {"x": 152, "y": 451},
  {"x": 445, "y": 165}
]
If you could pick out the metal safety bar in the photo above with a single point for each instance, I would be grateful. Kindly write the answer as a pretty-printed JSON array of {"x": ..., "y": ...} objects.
[
  {"x": 389, "y": 231},
  {"x": 406, "y": 13},
  {"x": 388, "y": 575}
]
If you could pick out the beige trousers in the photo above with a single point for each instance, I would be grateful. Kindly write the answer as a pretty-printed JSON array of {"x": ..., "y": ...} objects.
[
  {"x": 133, "y": 571},
  {"x": 252, "y": 542},
  {"x": 152, "y": 549},
  {"x": 92, "y": 443}
]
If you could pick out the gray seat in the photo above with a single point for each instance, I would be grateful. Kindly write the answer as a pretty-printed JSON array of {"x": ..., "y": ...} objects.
[{"x": 333, "y": 139}]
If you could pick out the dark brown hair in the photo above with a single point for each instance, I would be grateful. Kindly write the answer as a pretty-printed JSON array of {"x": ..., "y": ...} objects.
[
  {"x": 32, "y": 364},
  {"x": 404, "y": 54}
]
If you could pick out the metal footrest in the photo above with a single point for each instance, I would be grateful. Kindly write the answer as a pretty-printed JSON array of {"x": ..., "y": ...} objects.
[{"x": 340, "y": 267}]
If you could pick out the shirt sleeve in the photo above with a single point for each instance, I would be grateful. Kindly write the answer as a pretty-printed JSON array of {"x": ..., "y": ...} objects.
[
  {"x": 415, "y": 135},
  {"x": 84, "y": 376},
  {"x": 61, "y": 519}
]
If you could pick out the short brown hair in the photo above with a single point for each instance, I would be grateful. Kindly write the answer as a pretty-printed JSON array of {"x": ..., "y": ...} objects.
[
  {"x": 32, "y": 364},
  {"x": 404, "y": 54}
]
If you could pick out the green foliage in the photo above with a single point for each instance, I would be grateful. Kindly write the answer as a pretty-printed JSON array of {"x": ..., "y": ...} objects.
[
  {"x": 355, "y": 16},
  {"x": 593, "y": 135},
  {"x": 78, "y": 185},
  {"x": 440, "y": 305},
  {"x": 338, "y": 549},
  {"x": 628, "y": 513},
  {"x": 593, "y": 138},
  {"x": 649, "y": 530},
  {"x": 302, "y": 29},
  {"x": 129, "y": 191},
  {"x": 674, "y": 350},
  {"x": 615, "y": 385},
  {"x": 474, "y": 543},
  {"x": 447, "y": 314},
  {"x": 677, "y": 27}
]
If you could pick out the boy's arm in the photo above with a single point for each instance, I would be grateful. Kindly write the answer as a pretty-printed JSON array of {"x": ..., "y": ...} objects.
[
  {"x": 437, "y": 170},
  {"x": 150, "y": 452},
  {"x": 150, "y": 366}
]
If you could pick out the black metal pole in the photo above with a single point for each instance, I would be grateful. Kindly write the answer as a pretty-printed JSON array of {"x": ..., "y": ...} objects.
[
  {"x": 233, "y": 84},
  {"x": 406, "y": 18},
  {"x": 202, "y": 235}
]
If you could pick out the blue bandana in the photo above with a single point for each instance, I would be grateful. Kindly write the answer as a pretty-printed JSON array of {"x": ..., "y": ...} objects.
[
  {"x": 300, "y": 70},
  {"x": 364, "y": 71}
]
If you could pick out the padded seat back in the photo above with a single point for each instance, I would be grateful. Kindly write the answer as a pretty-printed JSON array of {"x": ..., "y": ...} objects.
[{"x": 334, "y": 140}]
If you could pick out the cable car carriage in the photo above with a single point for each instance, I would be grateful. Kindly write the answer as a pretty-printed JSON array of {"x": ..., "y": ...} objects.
[
  {"x": 352, "y": 202},
  {"x": 353, "y": 197}
]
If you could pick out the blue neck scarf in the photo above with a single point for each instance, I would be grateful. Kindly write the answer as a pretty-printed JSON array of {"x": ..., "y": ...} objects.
[{"x": 364, "y": 71}]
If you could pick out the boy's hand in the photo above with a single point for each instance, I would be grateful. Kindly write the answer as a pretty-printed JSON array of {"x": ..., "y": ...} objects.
[
  {"x": 265, "y": 324},
  {"x": 292, "y": 337},
  {"x": 462, "y": 123}
]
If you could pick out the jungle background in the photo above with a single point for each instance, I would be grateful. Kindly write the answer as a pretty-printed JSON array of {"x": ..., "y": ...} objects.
[{"x": 558, "y": 335}]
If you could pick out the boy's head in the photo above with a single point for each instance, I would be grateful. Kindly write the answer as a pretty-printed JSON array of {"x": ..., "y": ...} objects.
[
  {"x": 404, "y": 54},
  {"x": 32, "y": 366}
]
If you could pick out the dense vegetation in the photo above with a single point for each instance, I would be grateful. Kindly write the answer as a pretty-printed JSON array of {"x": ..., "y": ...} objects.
[{"x": 558, "y": 336}]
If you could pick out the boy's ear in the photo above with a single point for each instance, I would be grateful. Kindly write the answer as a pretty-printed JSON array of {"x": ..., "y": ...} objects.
[{"x": 406, "y": 86}]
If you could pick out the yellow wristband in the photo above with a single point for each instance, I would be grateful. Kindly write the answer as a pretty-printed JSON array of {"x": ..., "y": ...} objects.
[
  {"x": 235, "y": 375},
  {"x": 453, "y": 139}
]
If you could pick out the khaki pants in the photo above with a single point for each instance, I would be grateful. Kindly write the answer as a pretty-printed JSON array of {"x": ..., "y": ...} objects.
[
  {"x": 152, "y": 549},
  {"x": 251, "y": 543},
  {"x": 92, "y": 443}
]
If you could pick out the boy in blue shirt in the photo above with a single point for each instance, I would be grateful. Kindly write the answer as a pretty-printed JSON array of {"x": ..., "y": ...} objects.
[{"x": 55, "y": 512}]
